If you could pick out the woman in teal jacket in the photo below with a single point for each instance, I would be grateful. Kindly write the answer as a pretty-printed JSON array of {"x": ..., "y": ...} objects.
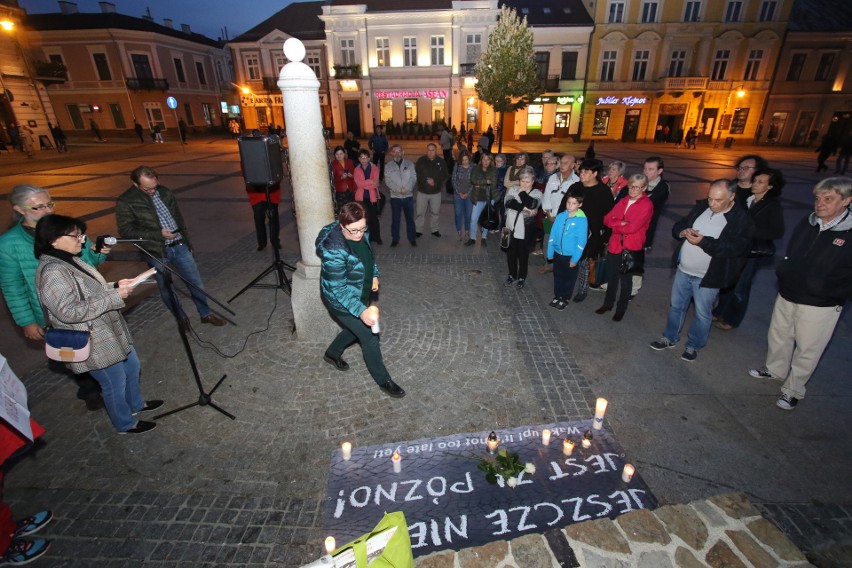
[
  {"x": 349, "y": 276},
  {"x": 567, "y": 241}
]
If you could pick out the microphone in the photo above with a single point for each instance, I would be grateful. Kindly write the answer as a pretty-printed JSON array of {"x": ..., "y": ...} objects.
[{"x": 106, "y": 240}]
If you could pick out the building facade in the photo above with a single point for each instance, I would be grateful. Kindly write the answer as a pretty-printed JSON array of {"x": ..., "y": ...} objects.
[
  {"x": 812, "y": 90},
  {"x": 659, "y": 67},
  {"x": 258, "y": 56},
  {"x": 122, "y": 69}
]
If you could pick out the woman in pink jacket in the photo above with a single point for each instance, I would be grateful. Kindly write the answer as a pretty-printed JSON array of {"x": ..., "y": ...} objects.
[
  {"x": 629, "y": 220},
  {"x": 367, "y": 193}
]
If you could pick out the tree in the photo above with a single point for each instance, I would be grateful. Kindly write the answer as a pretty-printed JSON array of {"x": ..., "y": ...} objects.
[{"x": 506, "y": 74}]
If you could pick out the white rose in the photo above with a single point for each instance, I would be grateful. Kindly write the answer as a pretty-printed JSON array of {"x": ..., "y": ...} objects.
[
  {"x": 529, "y": 468},
  {"x": 512, "y": 481}
]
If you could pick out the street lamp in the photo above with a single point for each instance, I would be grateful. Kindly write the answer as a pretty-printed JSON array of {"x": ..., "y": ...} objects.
[
  {"x": 740, "y": 94},
  {"x": 7, "y": 25}
]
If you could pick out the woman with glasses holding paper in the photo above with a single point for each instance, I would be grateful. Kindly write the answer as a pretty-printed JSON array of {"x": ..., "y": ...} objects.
[
  {"x": 349, "y": 277},
  {"x": 75, "y": 296}
]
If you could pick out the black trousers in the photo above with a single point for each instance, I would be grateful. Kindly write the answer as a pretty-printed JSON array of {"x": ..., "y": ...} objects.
[
  {"x": 354, "y": 330},
  {"x": 379, "y": 160},
  {"x": 615, "y": 280},
  {"x": 260, "y": 216},
  {"x": 518, "y": 254}
]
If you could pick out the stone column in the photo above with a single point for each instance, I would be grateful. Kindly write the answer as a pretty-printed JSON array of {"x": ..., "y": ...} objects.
[{"x": 311, "y": 192}]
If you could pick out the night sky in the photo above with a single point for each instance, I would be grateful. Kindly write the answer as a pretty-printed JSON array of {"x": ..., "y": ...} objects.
[{"x": 206, "y": 17}]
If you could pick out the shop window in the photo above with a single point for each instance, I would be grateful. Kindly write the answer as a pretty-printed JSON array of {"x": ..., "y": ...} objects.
[
  {"x": 207, "y": 109},
  {"x": 601, "y": 124},
  {"x": 262, "y": 119},
  {"x": 154, "y": 115},
  {"x": 385, "y": 110},
  {"x": 410, "y": 110},
  {"x": 438, "y": 109},
  {"x": 535, "y": 113},
  {"x": 739, "y": 120}
]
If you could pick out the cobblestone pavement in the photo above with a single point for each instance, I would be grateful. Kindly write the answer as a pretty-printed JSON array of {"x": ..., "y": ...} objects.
[{"x": 202, "y": 490}]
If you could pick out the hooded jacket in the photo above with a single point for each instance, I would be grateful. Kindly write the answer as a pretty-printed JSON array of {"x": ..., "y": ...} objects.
[{"x": 342, "y": 274}]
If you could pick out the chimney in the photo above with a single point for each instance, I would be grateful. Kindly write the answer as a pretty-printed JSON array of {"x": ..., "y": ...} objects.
[
  {"x": 168, "y": 23},
  {"x": 67, "y": 7},
  {"x": 185, "y": 28},
  {"x": 107, "y": 7}
]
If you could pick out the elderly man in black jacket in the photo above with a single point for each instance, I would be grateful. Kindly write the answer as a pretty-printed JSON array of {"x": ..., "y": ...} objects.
[
  {"x": 715, "y": 239},
  {"x": 814, "y": 281}
]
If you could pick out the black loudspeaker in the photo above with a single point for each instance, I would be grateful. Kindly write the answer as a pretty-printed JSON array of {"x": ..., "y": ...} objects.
[{"x": 261, "y": 159}]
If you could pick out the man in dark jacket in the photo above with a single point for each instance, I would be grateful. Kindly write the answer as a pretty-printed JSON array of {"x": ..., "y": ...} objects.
[
  {"x": 715, "y": 240},
  {"x": 379, "y": 145},
  {"x": 149, "y": 211},
  {"x": 814, "y": 281},
  {"x": 432, "y": 173}
]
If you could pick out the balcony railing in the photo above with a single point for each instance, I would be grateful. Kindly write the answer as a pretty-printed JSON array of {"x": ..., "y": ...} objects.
[
  {"x": 147, "y": 84},
  {"x": 347, "y": 71},
  {"x": 466, "y": 69},
  {"x": 684, "y": 83},
  {"x": 549, "y": 84}
]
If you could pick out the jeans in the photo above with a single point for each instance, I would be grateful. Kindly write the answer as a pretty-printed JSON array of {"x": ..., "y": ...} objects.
[
  {"x": 478, "y": 208},
  {"x": 120, "y": 389},
  {"x": 356, "y": 330},
  {"x": 259, "y": 210},
  {"x": 684, "y": 289},
  {"x": 564, "y": 277},
  {"x": 733, "y": 302},
  {"x": 399, "y": 206},
  {"x": 180, "y": 259},
  {"x": 462, "y": 209}
]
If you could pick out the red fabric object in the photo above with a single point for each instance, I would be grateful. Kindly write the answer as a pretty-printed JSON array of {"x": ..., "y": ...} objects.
[
  {"x": 343, "y": 184},
  {"x": 370, "y": 185},
  {"x": 619, "y": 184},
  {"x": 637, "y": 218},
  {"x": 10, "y": 442},
  {"x": 257, "y": 193}
]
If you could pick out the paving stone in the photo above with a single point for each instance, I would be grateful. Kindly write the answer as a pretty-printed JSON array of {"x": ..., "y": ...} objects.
[
  {"x": 712, "y": 516},
  {"x": 720, "y": 555},
  {"x": 530, "y": 551},
  {"x": 768, "y": 534},
  {"x": 643, "y": 526},
  {"x": 655, "y": 559},
  {"x": 485, "y": 556},
  {"x": 601, "y": 533},
  {"x": 443, "y": 559},
  {"x": 735, "y": 505},
  {"x": 683, "y": 521},
  {"x": 594, "y": 558},
  {"x": 686, "y": 559},
  {"x": 749, "y": 548}
]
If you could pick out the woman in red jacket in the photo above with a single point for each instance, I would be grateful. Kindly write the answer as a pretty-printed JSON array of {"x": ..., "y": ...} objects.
[
  {"x": 367, "y": 193},
  {"x": 629, "y": 220},
  {"x": 342, "y": 171}
]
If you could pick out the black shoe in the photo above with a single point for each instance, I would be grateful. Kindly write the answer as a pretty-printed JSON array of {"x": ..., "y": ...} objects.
[
  {"x": 392, "y": 389},
  {"x": 94, "y": 403},
  {"x": 150, "y": 405},
  {"x": 601, "y": 310},
  {"x": 618, "y": 316},
  {"x": 185, "y": 325},
  {"x": 394, "y": 244},
  {"x": 419, "y": 235},
  {"x": 141, "y": 427},
  {"x": 470, "y": 243},
  {"x": 336, "y": 362},
  {"x": 579, "y": 298},
  {"x": 260, "y": 247},
  {"x": 414, "y": 243},
  {"x": 213, "y": 319},
  {"x": 436, "y": 233}
]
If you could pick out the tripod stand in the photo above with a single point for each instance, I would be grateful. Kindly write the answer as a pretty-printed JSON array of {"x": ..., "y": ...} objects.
[
  {"x": 204, "y": 398},
  {"x": 278, "y": 266}
]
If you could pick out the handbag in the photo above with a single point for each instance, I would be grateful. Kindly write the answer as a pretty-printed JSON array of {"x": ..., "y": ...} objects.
[
  {"x": 507, "y": 235},
  {"x": 762, "y": 247},
  {"x": 632, "y": 261},
  {"x": 67, "y": 345},
  {"x": 388, "y": 545},
  {"x": 489, "y": 219}
]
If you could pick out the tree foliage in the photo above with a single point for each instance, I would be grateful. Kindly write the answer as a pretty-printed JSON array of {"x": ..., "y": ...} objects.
[{"x": 507, "y": 77}]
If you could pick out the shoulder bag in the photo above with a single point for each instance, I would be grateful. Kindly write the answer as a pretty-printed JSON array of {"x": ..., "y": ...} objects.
[
  {"x": 67, "y": 345},
  {"x": 632, "y": 262},
  {"x": 507, "y": 235},
  {"x": 489, "y": 219}
]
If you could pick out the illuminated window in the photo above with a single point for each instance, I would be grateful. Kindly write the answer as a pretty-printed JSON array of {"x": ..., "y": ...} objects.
[
  {"x": 382, "y": 52},
  {"x": 410, "y": 110},
  {"x": 438, "y": 109},
  {"x": 385, "y": 110},
  {"x": 601, "y": 124},
  {"x": 437, "y": 45},
  {"x": 409, "y": 51},
  {"x": 347, "y": 51},
  {"x": 534, "y": 117}
]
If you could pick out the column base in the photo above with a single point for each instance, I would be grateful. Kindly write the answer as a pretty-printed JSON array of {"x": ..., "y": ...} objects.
[{"x": 310, "y": 316}]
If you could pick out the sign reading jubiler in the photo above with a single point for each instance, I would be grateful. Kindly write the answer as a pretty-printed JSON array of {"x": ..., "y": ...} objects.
[
  {"x": 449, "y": 505},
  {"x": 627, "y": 101}
]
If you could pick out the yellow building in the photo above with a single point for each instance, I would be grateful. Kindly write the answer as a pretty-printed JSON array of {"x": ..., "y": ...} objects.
[{"x": 658, "y": 67}]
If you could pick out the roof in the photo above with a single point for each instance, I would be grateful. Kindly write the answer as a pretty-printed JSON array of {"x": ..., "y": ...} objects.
[
  {"x": 112, "y": 20},
  {"x": 820, "y": 16},
  {"x": 545, "y": 13},
  {"x": 396, "y": 5},
  {"x": 300, "y": 20}
]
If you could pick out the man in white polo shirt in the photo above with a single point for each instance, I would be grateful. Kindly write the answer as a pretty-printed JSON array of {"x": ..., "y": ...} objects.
[{"x": 715, "y": 239}]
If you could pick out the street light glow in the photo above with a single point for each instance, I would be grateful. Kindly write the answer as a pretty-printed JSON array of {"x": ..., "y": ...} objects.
[{"x": 7, "y": 25}]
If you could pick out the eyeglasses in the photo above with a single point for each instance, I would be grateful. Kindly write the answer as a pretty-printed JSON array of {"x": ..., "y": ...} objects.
[
  {"x": 48, "y": 205},
  {"x": 79, "y": 237},
  {"x": 354, "y": 232},
  {"x": 743, "y": 168}
]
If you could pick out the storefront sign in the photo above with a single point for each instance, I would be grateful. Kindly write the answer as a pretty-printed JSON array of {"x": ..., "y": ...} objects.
[
  {"x": 426, "y": 94},
  {"x": 261, "y": 100},
  {"x": 449, "y": 505},
  {"x": 673, "y": 108},
  {"x": 627, "y": 101}
]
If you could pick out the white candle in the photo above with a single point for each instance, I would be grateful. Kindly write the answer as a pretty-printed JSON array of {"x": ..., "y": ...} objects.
[
  {"x": 346, "y": 450},
  {"x": 627, "y": 473},
  {"x": 492, "y": 441},
  {"x": 545, "y": 437},
  {"x": 330, "y": 545},
  {"x": 568, "y": 447},
  {"x": 600, "y": 410},
  {"x": 396, "y": 459}
]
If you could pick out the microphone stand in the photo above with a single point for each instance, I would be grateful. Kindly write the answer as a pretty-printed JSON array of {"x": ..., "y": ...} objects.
[
  {"x": 204, "y": 398},
  {"x": 277, "y": 265}
]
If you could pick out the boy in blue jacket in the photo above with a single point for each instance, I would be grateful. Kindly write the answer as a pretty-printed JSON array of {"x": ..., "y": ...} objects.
[{"x": 567, "y": 240}]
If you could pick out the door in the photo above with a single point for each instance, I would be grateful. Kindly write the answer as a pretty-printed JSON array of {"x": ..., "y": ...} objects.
[
  {"x": 631, "y": 125},
  {"x": 353, "y": 117},
  {"x": 800, "y": 136},
  {"x": 708, "y": 123},
  {"x": 563, "y": 121}
]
